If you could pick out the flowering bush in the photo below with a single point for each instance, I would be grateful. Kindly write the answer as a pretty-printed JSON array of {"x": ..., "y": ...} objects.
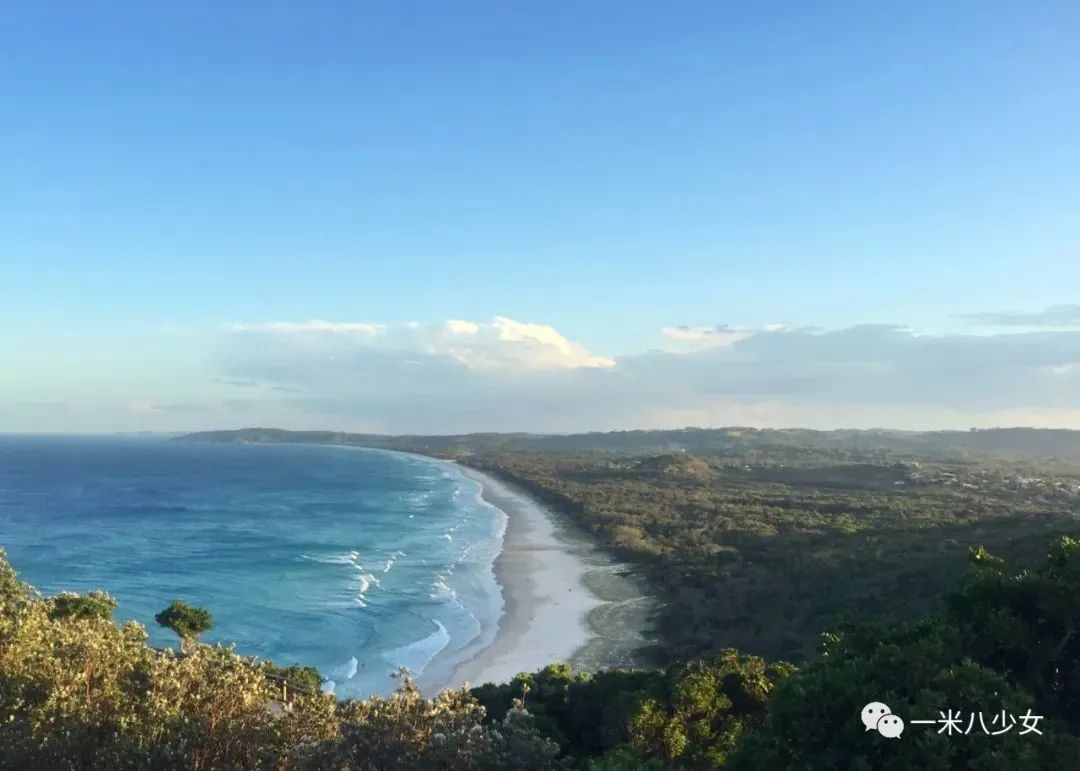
[{"x": 78, "y": 691}]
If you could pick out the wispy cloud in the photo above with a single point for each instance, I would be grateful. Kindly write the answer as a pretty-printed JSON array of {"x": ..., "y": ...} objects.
[
  {"x": 316, "y": 326},
  {"x": 139, "y": 408},
  {"x": 501, "y": 344},
  {"x": 705, "y": 337},
  {"x": 1056, "y": 316}
]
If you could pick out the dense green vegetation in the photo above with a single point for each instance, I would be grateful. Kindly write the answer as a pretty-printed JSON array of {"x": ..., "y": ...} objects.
[
  {"x": 308, "y": 678},
  {"x": 760, "y": 539},
  {"x": 793, "y": 444},
  {"x": 1003, "y": 644},
  {"x": 763, "y": 556},
  {"x": 79, "y": 692},
  {"x": 93, "y": 605},
  {"x": 690, "y": 714}
]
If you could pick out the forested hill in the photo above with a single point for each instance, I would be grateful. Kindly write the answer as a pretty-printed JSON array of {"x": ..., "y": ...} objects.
[{"x": 780, "y": 444}]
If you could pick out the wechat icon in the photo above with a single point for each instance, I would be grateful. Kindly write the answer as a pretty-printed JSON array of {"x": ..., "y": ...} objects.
[{"x": 878, "y": 716}]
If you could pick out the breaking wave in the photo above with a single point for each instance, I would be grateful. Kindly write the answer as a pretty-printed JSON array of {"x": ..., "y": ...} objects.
[{"x": 417, "y": 655}]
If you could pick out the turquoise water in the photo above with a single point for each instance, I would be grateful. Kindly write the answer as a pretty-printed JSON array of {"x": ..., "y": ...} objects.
[{"x": 353, "y": 561}]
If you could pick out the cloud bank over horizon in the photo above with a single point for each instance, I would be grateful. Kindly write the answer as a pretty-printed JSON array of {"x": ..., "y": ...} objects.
[
  {"x": 508, "y": 375},
  {"x": 1056, "y": 316}
]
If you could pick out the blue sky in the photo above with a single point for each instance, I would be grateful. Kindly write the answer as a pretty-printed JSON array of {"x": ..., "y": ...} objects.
[{"x": 175, "y": 177}]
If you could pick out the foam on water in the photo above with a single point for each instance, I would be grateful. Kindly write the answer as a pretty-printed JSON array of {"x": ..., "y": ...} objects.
[
  {"x": 417, "y": 655},
  {"x": 347, "y": 670},
  {"x": 334, "y": 559},
  {"x": 365, "y": 580},
  {"x": 440, "y": 590}
]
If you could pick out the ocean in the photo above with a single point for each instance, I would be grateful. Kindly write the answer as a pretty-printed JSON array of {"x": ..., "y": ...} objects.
[{"x": 354, "y": 561}]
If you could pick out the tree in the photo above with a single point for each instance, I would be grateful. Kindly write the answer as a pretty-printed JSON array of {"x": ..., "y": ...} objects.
[
  {"x": 1026, "y": 625},
  {"x": 1005, "y": 644},
  {"x": 586, "y": 715},
  {"x": 186, "y": 620},
  {"x": 708, "y": 706},
  {"x": 813, "y": 716},
  {"x": 96, "y": 604}
]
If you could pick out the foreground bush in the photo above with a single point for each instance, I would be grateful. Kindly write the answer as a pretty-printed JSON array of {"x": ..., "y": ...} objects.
[
  {"x": 77, "y": 691},
  {"x": 406, "y": 731}
]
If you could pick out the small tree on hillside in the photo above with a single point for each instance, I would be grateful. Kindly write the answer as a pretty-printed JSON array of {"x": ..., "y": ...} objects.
[
  {"x": 186, "y": 620},
  {"x": 96, "y": 604}
]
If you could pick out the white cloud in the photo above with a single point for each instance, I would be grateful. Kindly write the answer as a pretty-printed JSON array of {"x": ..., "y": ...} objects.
[
  {"x": 705, "y": 337},
  {"x": 1065, "y": 316},
  {"x": 1064, "y": 369},
  {"x": 547, "y": 348},
  {"x": 508, "y": 375},
  {"x": 458, "y": 327},
  {"x": 503, "y": 344},
  {"x": 140, "y": 408}
]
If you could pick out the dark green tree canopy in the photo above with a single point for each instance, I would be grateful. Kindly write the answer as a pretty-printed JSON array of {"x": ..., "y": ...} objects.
[
  {"x": 1004, "y": 643},
  {"x": 95, "y": 604},
  {"x": 186, "y": 620},
  {"x": 307, "y": 677}
]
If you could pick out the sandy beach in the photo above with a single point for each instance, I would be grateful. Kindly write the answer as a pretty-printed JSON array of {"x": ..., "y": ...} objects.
[{"x": 549, "y": 611}]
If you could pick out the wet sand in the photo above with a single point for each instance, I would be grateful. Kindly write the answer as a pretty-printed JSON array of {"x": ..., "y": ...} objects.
[
  {"x": 546, "y": 603},
  {"x": 563, "y": 600}
]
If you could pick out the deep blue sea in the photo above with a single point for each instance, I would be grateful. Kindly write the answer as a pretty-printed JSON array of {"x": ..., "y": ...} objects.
[{"x": 353, "y": 561}]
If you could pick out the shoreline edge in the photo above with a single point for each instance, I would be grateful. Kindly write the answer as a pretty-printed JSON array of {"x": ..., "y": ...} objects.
[{"x": 546, "y": 601}]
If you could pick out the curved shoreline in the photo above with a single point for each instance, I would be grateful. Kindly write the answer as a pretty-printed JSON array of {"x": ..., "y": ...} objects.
[
  {"x": 563, "y": 600},
  {"x": 546, "y": 603}
]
